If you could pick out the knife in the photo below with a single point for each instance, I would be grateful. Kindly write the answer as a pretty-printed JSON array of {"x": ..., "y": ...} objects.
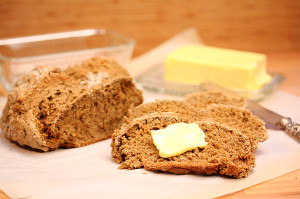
[{"x": 273, "y": 120}]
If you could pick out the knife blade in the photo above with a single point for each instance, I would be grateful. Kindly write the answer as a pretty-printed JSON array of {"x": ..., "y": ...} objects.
[{"x": 272, "y": 120}]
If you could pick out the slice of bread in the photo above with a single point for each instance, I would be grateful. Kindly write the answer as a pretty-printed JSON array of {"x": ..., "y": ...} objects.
[
  {"x": 201, "y": 100},
  {"x": 185, "y": 111},
  {"x": 228, "y": 152},
  {"x": 237, "y": 118},
  {"x": 49, "y": 108}
]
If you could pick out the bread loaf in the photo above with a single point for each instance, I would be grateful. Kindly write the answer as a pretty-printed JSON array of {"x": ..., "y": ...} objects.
[{"x": 49, "y": 108}]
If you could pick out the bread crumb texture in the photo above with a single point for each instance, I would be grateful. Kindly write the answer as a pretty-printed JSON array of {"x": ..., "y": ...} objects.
[
  {"x": 232, "y": 133},
  {"x": 49, "y": 108}
]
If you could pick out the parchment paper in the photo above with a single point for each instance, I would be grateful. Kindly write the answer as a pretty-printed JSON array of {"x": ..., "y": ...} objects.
[{"x": 90, "y": 172}]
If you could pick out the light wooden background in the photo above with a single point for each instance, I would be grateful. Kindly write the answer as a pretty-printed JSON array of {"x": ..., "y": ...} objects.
[{"x": 264, "y": 25}]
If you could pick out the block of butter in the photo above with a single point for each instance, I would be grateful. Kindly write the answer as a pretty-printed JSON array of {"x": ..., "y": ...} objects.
[
  {"x": 178, "y": 138},
  {"x": 195, "y": 64}
]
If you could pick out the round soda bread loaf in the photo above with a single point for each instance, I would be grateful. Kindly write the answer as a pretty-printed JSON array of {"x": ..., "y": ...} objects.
[
  {"x": 228, "y": 152},
  {"x": 201, "y": 100},
  {"x": 49, "y": 108},
  {"x": 234, "y": 117}
]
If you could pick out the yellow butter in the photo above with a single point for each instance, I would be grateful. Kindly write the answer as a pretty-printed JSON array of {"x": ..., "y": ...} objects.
[
  {"x": 177, "y": 139},
  {"x": 195, "y": 64}
]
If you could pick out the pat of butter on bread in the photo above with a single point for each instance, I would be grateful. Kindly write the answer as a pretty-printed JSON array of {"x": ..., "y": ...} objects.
[
  {"x": 195, "y": 64},
  {"x": 178, "y": 138}
]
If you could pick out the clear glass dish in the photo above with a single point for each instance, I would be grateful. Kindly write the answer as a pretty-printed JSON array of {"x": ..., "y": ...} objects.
[
  {"x": 153, "y": 80},
  {"x": 20, "y": 55}
]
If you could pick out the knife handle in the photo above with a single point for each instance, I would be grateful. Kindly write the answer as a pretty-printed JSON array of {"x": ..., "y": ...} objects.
[{"x": 289, "y": 126}]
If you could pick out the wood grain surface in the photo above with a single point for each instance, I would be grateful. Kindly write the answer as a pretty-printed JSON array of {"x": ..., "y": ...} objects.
[
  {"x": 3, "y": 195},
  {"x": 248, "y": 25},
  {"x": 268, "y": 26},
  {"x": 286, "y": 186}
]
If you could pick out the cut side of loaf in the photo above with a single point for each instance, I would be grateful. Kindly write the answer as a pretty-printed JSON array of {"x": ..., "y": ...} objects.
[
  {"x": 228, "y": 152},
  {"x": 201, "y": 100},
  {"x": 49, "y": 108}
]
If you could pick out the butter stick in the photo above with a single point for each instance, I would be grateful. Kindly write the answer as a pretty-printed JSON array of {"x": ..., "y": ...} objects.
[{"x": 195, "y": 64}]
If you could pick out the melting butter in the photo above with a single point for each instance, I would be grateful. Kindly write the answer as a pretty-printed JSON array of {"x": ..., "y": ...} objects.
[{"x": 178, "y": 138}]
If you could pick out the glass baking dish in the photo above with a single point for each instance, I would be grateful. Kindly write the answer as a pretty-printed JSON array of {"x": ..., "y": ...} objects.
[{"x": 20, "y": 55}]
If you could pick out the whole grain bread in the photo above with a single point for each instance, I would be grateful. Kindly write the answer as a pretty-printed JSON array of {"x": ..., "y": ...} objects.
[
  {"x": 185, "y": 111},
  {"x": 234, "y": 117},
  {"x": 239, "y": 119},
  {"x": 228, "y": 152},
  {"x": 49, "y": 108},
  {"x": 201, "y": 100}
]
